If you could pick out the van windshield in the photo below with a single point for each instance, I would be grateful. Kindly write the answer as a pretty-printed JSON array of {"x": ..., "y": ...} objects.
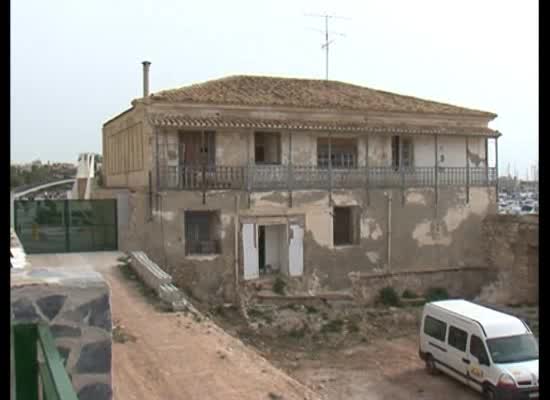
[{"x": 513, "y": 349}]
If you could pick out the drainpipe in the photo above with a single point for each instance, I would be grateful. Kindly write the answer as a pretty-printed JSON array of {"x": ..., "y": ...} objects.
[
  {"x": 389, "y": 195},
  {"x": 236, "y": 242}
]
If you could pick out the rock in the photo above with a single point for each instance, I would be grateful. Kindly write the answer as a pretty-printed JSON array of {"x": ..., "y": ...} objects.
[
  {"x": 64, "y": 353},
  {"x": 95, "y": 391},
  {"x": 51, "y": 305},
  {"x": 95, "y": 358},
  {"x": 24, "y": 311},
  {"x": 65, "y": 331},
  {"x": 97, "y": 312}
]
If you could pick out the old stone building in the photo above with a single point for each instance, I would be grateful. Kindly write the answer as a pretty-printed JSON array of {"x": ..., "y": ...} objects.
[{"x": 245, "y": 178}]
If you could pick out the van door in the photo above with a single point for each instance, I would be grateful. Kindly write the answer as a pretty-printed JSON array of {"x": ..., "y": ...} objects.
[
  {"x": 457, "y": 356},
  {"x": 435, "y": 332},
  {"x": 479, "y": 368}
]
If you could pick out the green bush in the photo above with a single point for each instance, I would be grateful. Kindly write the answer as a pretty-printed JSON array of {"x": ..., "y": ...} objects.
[
  {"x": 389, "y": 297},
  {"x": 436, "y": 293},
  {"x": 409, "y": 294},
  {"x": 279, "y": 286},
  {"x": 333, "y": 326}
]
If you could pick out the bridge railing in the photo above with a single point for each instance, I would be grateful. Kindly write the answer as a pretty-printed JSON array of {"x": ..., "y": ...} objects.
[{"x": 38, "y": 366}]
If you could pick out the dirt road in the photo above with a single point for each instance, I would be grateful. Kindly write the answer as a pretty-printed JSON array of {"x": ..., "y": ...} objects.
[
  {"x": 384, "y": 369},
  {"x": 175, "y": 357}
]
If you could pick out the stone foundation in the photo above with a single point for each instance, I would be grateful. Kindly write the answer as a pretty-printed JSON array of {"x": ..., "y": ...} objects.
[
  {"x": 75, "y": 302},
  {"x": 464, "y": 282}
]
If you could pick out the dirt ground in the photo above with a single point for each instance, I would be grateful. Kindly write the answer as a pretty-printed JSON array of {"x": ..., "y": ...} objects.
[
  {"x": 168, "y": 356},
  {"x": 171, "y": 356}
]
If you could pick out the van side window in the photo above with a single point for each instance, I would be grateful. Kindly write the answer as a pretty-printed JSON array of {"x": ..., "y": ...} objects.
[
  {"x": 457, "y": 338},
  {"x": 435, "y": 328},
  {"x": 477, "y": 349}
]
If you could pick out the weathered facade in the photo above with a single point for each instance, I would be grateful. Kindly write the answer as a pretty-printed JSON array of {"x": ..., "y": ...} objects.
[{"x": 244, "y": 178}]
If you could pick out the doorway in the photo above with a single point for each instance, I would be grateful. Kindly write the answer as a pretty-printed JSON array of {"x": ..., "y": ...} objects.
[{"x": 272, "y": 249}]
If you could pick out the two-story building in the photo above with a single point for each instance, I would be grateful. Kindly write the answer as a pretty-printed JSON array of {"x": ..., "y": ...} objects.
[{"x": 244, "y": 178}]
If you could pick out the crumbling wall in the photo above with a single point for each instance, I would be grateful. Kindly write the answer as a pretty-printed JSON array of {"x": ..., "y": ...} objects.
[{"x": 512, "y": 246}]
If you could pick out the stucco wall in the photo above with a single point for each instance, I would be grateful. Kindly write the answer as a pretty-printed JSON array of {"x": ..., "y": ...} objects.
[{"x": 422, "y": 235}]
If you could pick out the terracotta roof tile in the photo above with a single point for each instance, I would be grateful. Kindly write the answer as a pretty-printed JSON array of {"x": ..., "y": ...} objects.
[{"x": 308, "y": 93}]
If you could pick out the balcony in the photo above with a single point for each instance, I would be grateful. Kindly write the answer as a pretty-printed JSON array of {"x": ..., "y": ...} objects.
[{"x": 256, "y": 178}]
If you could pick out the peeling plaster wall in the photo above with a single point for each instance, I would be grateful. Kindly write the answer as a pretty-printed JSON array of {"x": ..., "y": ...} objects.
[{"x": 423, "y": 236}]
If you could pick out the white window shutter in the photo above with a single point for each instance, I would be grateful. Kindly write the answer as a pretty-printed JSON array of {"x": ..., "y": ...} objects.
[
  {"x": 250, "y": 252},
  {"x": 296, "y": 251}
]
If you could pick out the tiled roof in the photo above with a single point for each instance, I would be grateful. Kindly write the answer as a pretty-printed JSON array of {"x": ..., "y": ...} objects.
[
  {"x": 185, "y": 121},
  {"x": 308, "y": 93}
]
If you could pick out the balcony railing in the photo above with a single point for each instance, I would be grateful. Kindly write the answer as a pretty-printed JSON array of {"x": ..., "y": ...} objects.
[
  {"x": 33, "y": 376},
  {"x": 304, "y": 177}
]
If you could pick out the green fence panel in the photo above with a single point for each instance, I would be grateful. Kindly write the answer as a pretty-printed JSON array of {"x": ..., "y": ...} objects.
[
  {"x": 62, "y": 226},
  {"x": 26, "y": 365}
]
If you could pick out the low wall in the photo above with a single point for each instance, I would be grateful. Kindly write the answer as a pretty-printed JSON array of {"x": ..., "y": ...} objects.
[
  {"x": 465, "y": 282},
  {"x": 512, "y": 247},
  {"x": 75, "y": 302}
]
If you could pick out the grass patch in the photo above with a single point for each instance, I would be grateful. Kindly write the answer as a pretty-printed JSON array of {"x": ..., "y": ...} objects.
[
  {"x": 353, "y": 327},
  {"x": 279, "y": 286},
  {"x": 436, "y": 294},
  {"x": 258, "y": 314},
  {"x": 311, "y": 310},
  {"x": 334, "y": 326},
  {"x": 298, "y": 333},
  {"x": 389, "y": 297}
]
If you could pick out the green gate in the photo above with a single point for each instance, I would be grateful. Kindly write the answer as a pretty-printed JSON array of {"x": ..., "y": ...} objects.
[{"x": 64, "y": 226}]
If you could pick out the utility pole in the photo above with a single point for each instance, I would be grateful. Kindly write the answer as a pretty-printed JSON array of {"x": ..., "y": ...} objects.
[{"x": 326, "y": 32}]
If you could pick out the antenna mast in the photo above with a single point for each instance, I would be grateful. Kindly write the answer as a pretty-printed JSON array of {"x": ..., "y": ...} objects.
[{"x": 328, "y": 42}]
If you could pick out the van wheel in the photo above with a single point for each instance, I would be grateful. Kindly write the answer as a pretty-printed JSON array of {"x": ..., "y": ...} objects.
[
  {"x": 430, "y": 365},
  {"x": 489, "y": 393}
]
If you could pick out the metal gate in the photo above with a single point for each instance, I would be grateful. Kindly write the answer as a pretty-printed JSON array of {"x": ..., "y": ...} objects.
[{"x": 64, "y": 226}]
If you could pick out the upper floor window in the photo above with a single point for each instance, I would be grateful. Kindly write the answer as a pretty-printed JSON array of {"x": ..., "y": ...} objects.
[
  {"x": 343, "y": 153},
  {"x": 402, "y": 152},
  {"x": 267, "y": 147}
]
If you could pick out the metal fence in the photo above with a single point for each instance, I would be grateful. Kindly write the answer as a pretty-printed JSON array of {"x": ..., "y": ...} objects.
[
  {"x": 62, "y": 226},
  {"x": 35, "y": 379},
  {"x": 303, "y": 177}
]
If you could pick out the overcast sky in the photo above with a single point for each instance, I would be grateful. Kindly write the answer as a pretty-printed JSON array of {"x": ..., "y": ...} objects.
[{"x": 74, "y": 64}]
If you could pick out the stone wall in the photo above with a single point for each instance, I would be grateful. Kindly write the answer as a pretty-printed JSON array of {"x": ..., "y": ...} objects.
[
  {"x": 512, "y": 248},
  {"x": 75, "y": 302},
  {"x": 464, "y": 282}
]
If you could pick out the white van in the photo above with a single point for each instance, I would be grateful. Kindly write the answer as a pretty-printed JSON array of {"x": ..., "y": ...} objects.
[{"x": 493, "y": 352}]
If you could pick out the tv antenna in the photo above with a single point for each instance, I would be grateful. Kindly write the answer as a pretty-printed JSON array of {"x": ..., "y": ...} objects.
[{"x": 328, "y": 42}]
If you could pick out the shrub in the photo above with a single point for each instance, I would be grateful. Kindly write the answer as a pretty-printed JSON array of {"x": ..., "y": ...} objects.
[
  {"x": 409, "y": 294},
  {"x": 311, "y": 310},
  {"x": 389, "y": 297},
  {"x": 333, "y": 326},
  {"x": 436, "y": 293},
  {"x": 353, "y": 327},
  {"x": 279, "y": 286}
]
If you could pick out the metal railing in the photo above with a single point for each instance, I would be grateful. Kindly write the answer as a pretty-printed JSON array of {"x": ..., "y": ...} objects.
[
  {"x": 303, "y": 177},
  {"x": 32, "y": 377},
  {"x": 202, "y": 247}
]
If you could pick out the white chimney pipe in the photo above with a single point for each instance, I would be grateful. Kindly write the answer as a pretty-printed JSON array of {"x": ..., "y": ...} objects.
[{"x": 146, "y": 65}]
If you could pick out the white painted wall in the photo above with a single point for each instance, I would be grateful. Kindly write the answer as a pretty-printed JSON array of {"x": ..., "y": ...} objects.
[{"x": 452, "y": 151}]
